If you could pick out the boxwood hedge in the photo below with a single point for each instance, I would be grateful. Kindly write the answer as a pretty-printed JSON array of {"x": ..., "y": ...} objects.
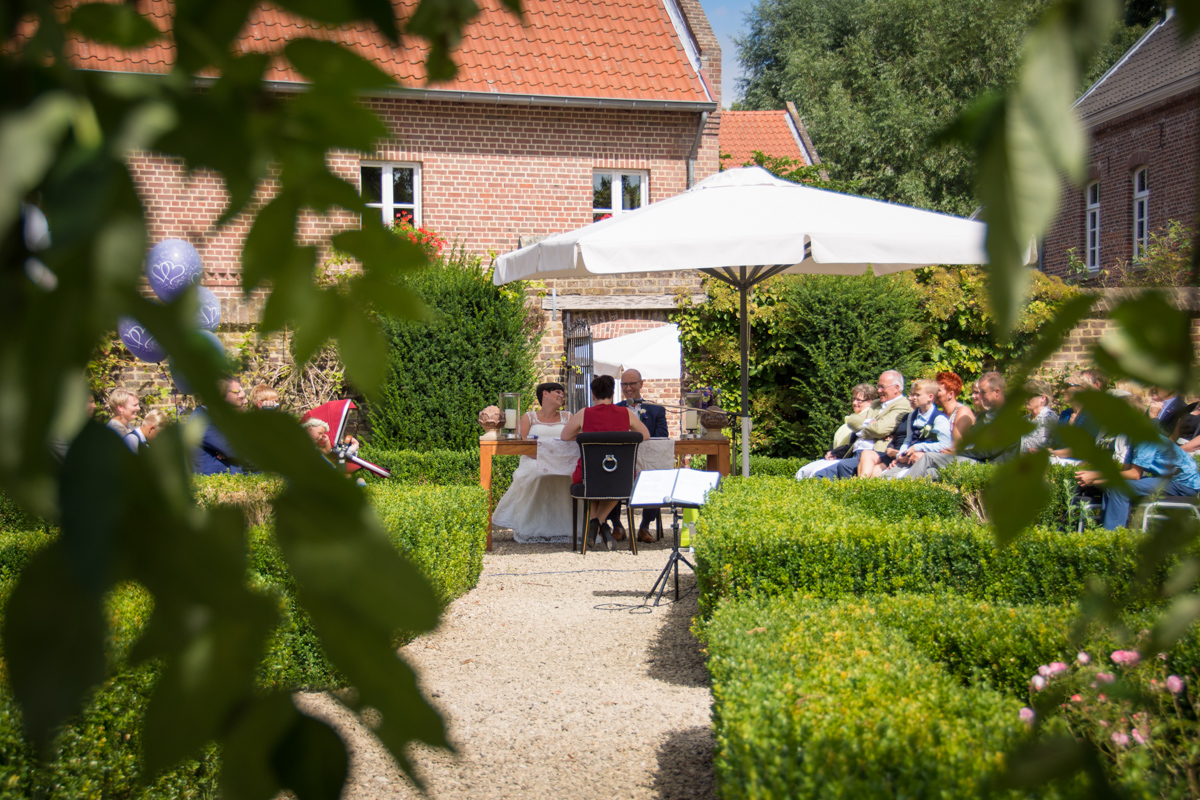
[
  {"x": 442, "y": 529},
  {"x": 773, "y": 535},
  {"x": 815, "y": 698}
]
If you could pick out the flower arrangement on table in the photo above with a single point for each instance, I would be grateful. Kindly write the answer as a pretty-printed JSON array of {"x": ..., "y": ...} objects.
[{"x": 712, "y": 417}]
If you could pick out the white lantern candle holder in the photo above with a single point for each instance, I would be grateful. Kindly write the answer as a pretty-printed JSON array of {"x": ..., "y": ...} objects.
[
  {"x": 691, "y": 414},
  {"x": 510, "y": 414}
]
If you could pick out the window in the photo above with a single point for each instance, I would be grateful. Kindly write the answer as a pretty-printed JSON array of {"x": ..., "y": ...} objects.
[
  {"x": 1141, "y": 211},
  {"x": 1093, "y": 226},
  {"x": 617, "y": 192},
  {"x": 393, "y": 189}
]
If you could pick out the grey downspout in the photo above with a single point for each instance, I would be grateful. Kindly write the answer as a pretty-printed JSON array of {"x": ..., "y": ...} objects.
[{"x": 691, "y": 161}]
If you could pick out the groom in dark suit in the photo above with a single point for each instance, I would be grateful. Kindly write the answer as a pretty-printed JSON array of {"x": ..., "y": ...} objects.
[{"x": 655, "y": 419}]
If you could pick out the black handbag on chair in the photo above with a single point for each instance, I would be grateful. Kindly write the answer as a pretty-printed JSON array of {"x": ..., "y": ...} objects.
[{"x": 609, "y": 472}]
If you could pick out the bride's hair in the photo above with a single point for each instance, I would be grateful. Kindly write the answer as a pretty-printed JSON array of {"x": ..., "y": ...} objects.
[{"x": 542, "y": 388}]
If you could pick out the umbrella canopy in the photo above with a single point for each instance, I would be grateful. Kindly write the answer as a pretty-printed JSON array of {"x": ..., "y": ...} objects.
[
  {"x": 745, "y": 225},
  {"x": 654, "y": 353}
]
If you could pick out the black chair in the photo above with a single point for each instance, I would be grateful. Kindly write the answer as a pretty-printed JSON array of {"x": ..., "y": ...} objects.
[{"x": 609, "y": 471}]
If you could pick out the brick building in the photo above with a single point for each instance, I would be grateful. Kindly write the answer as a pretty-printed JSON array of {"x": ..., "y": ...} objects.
[
  {"x": 589, "y": 108},
  {"x": 1142, "y": 123}
]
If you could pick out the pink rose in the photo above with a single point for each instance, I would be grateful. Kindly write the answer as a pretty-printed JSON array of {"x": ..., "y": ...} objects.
[
  {"x": 1105, "y": 677},
  {"x": 1055, "y": 668},
  {"x": 1076, "y": 698},
  {"x": 1128, "y": 658},
  {"x": 1175, "y": 684},
  {"x": 1038, "y": 683},
  {"x": 1120, "y": 738},
  {"x": 1083, "y": 658},
  {"x": 1137, "y": 736},
  {"x": 1027, "y": 715}
]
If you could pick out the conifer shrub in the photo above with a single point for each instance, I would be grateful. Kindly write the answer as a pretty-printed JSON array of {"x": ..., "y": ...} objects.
[{"x": 480, "y": 341}]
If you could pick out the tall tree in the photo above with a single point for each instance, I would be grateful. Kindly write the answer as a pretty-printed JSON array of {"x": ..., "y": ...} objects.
[{"x": 877, "y": 80}]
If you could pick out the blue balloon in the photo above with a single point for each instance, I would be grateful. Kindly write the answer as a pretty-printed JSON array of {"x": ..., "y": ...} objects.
[
  {"x": 139, "y": 341},
  {"x": 209, "y": 315},
  {"x": 181, "y": 383},
  {"x": 171, "y": 267}
]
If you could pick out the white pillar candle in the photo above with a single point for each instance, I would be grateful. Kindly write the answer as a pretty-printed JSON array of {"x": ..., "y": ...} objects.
[
  {"x": 510, "y": 418},
  {"x": 691, "y": 419}
]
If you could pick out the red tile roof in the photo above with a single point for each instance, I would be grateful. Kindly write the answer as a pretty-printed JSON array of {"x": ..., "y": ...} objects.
[
  {"x": 607, "y": 49},
  {"x": 772, "y": 132}
]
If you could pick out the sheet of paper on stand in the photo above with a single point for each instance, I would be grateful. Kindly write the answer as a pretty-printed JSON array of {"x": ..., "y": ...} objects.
[
  {"x": 556, "y": 457},
  {"x": 681, "y": 487}
]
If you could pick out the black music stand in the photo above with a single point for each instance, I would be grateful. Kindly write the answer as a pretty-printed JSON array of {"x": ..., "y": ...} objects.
[{"x": 676, "y": 505}]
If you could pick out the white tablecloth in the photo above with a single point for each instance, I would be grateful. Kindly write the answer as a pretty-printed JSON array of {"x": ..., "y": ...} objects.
[{"x": 556, "y": 457}]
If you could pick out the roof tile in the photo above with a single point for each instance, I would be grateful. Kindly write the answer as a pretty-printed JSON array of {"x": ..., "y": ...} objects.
[
  {"x": 619, "y": 49},
  {"x": 743, "y": 132}
]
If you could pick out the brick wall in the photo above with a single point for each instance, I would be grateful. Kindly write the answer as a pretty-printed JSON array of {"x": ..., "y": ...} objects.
[{"x": 1164, "y": 138}]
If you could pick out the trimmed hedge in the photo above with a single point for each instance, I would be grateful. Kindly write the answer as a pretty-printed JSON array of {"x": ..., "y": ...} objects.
[
  {"x": 775, "y": 535},
  {"x": 441, "y": 529},
  {"x": 972, "y": 478},
  {"x": 442, "y": 468},
  {"x": 15, "y": 518},
  {"x": 815, "y": 698},
  {"x": 879, "y": 696}
]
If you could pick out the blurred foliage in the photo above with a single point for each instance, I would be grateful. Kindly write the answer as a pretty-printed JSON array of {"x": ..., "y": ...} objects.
[
  {"x": 480, "y": 341},
  {"x": 65, "y": 140},
  {"x": 1166, "y": 262}
]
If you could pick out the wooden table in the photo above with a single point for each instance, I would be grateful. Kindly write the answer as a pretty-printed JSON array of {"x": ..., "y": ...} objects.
[{"x": 489, "y": 448}]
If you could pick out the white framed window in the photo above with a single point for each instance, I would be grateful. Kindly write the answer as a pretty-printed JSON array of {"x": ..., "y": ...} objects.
[
  {"x": 394, "y": 188},
  {"x": 615, "y": 192},
  {"x": 1141, "y": 211},
  {"x": 1092, "y": 233}
]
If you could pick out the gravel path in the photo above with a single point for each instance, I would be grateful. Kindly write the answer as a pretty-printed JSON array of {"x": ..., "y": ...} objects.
[{"x": 553, "y": 683}]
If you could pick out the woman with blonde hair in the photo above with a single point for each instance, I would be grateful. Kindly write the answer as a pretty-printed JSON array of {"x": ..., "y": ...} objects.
[{"x": 123, "y": 406}]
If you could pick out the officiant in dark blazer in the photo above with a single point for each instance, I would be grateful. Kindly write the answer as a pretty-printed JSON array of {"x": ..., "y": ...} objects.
[{"x": 655, "y": 419}]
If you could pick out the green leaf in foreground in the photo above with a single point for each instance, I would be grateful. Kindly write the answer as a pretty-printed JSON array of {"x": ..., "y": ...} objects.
[{"x": 1018, "y": 494}]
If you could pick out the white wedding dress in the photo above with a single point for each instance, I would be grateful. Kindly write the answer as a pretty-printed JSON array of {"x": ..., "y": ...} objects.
[{"x": 537, "y": 506}]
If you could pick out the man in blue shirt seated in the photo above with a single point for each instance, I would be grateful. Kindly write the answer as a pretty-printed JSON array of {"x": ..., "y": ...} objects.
[
  {"x": 1149, "y": 468},
  {"x": 215, "y": 455}
]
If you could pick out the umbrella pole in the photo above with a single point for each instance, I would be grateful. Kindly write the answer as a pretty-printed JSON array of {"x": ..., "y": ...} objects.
[{"x": 745, "y": 331}]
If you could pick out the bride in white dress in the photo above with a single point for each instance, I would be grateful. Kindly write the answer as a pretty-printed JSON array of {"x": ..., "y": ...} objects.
[{"x": 537, "y": 506}]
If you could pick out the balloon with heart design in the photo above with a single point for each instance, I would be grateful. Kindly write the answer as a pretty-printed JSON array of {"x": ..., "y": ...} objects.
[
  {"x": 171, "y": 267},
  {"x": 209, "y": 314},
  {"x": 139, "y": 341}
]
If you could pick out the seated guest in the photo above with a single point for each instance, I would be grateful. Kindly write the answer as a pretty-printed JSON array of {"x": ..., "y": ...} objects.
[
  {"x": 215, "y": 455},
  {"x": 318, "y": 431},
  {"x": 154, "y": 421},
  {"x": 1041, "y": 415},
  {"x": 861, "y": 397},
  {"x": 1166, "y": 407},
  {"x": 1075, "y": 414},
  {"x": 1159, "y": 467},
  {"x": 655, "y": 418},
  {"x": 990, "y": 388},
  {"x": 123, "y": 405},
  {"x": 927, "y": 430},
  {"x": 1187, "y": 428},
  {"x": 601, "y": 416},
  {"x": 962, "y": 417},
  {"x": 264, "y": 397},
  {"x": 537, "y": 506},
  {"x": 881, "y": 422}
]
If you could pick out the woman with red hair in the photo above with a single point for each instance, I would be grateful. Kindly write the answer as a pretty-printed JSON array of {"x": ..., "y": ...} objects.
[{"x": 961, "y": 416}]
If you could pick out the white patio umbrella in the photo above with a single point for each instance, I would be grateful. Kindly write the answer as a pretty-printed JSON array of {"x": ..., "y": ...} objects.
[
  {"x": 655, "y": 353},
  {"x": 743, "y": 226}
]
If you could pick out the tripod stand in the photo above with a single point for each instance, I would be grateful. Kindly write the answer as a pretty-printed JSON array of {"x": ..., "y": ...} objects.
[{"x": 673, "y": 561}]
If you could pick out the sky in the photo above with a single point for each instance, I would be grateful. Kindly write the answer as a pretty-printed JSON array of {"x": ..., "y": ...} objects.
[{"x": 726, "y": 18}]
